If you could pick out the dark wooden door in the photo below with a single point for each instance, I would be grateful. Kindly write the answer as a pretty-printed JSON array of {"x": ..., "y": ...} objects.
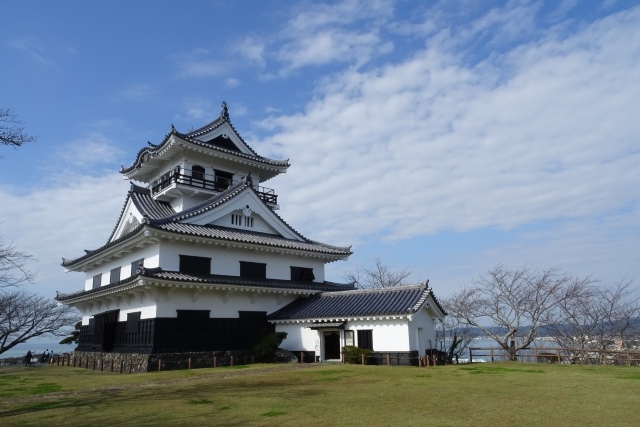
[{"x": 332, "y": 345}]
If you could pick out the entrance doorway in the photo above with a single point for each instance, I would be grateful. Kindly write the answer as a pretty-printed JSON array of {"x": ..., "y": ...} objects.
[{"x": 332, "y": 345}]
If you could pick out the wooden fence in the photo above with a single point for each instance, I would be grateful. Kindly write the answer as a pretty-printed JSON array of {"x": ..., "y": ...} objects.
[{"x": 574, "y": 356}]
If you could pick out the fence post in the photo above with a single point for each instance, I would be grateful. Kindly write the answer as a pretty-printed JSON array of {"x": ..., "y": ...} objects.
[
  {"x": 628, "y": 358},
  {"x": 101, "y": 364},
  {"x": 301, "y": 357},
  {"x": 470, "y": 355},
  {"x": 215, "y": 361},
  {"x": 559, "y": 358},
  {"x": 388, "y": 360},
  {"x": 232, "y": 360},
  {"x": 362, "y": 358},
  {"x": 492, "y": 360},
  {"x": 159, "y": 364},
  {"x": 189, "y": 363},
  {"x": 130, "y": 366}
]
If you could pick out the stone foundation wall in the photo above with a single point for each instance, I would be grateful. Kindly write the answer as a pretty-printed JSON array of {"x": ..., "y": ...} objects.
[{"x": 131, "y": 362}]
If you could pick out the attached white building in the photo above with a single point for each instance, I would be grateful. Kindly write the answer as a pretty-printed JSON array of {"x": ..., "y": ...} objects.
[{"x": 200, "y": 261}]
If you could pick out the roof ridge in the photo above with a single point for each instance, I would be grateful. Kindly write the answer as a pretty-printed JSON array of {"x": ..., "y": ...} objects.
[{"x": 384, "y": 290}]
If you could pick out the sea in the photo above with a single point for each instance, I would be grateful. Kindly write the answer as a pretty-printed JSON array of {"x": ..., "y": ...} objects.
[{"x": 37, "y": 348}]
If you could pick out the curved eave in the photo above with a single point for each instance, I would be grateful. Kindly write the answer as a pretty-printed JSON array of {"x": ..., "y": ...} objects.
[
  {"x": 147, "y": 234},
  {"x": 148, "y": 285},
  {"x": 350, "y": 318},
  {"x": 232, "y": 244},
  {"x": 112, "y": 250},
  {"x": 149, "y": 159}
]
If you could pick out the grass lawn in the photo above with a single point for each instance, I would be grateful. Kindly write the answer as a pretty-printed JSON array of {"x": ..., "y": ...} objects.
[{"x": 488, "y": 394}]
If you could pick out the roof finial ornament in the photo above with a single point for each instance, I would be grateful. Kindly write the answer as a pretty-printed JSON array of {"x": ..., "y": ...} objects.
[
  {"x": 173, "y": 128},
  {"x": 225, "y": 111}
]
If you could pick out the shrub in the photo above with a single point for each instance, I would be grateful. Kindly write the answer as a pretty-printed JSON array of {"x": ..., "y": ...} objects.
[
  {"x": 353, "y": 354},
  {"x": 265, "y": 350}
]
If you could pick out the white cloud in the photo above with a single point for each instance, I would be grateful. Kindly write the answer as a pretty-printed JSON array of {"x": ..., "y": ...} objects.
[
  {"x": 433, "y": 143},
  {"x": 85, "y": 155},
  {"x": 61, "y": 221}
]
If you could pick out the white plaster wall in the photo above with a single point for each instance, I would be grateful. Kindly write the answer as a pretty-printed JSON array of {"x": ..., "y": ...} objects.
[
  {"x": 222, "y": 304},
  {"x": 227, "y": 261},
  {"x": 149, "y": 253},
  {"x": 388, "y": 335},
  {"x": 147, "y": 308},
  {"x": 299, "y": 336}
]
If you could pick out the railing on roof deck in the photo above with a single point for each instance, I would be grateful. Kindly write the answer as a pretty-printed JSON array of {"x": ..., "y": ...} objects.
[{"x": 206, "y": 182}]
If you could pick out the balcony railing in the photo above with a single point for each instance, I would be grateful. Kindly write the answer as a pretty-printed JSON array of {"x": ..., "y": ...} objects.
[{"x": 206, "y": 182}]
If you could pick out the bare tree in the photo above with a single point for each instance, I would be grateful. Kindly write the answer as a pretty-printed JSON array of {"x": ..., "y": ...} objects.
[
  {"x": 510, "y": 305},
  {"x": 453, "y": 334},
  {"x": 377, "y": 276},
  {"x": 11, "y": 131},
  {"x": 13, "y": 270},
  {"x": 594, "y": 320},
  {"x": 24, "y": 316}
]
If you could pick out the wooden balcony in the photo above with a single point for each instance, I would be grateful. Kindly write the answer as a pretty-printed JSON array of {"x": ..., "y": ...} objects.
[{"x": 203, "y": 182}]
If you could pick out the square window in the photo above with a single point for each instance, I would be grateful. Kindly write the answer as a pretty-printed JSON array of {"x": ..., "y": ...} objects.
[{"x": 97, "y": 281}]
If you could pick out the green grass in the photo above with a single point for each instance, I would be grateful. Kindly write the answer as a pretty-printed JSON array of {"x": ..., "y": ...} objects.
[{"x": 491, "y": 394}]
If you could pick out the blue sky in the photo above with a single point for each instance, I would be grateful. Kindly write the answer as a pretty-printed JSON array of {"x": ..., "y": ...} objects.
[{"x": 443, "y": 137}]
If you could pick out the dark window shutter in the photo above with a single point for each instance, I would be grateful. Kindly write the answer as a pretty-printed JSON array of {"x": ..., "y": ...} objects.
[
  {"x": 133, "y": 319},
  {"x": 195, "y": 264},
  {"x": 302, "y": 273},
  {"x": 365, "y": 339},
  {"x": 115, "y": 275},
  {"x": 253, "y": 270},
  {"x": 136, "y": 265},
  {"x": 97, "y": 279}
]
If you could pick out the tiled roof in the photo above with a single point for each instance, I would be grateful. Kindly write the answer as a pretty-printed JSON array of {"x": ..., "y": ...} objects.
[
  {"x": 161, "y": 216},
  {"x": 146, "y": 205},
  {"x": 356, "y": 303},
  {"x": 192, "y": 137},
  {"x": 212, "y": 279},
  {"x": 263, "y": 239}
]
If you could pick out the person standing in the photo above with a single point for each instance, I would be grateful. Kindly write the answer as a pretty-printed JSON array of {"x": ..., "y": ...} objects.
[{"x": 27, "y": 358}]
